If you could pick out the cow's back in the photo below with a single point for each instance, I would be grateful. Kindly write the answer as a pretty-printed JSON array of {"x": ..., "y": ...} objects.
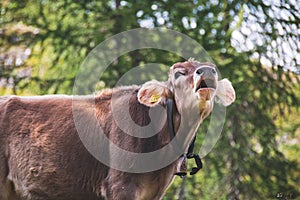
[{"x": 41, "y": 153}]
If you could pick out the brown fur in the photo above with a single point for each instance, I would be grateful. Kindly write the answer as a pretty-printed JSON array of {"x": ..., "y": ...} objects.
[{"x": 42, "y": 156}]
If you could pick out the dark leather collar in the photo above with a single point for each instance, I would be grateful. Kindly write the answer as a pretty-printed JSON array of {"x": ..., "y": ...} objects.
[{"x": 170, "y": 109}]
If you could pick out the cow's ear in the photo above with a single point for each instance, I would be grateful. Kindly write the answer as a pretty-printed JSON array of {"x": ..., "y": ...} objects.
[
  {"x": 225, "y": 93},
  {"x": 151, "y": 93}
]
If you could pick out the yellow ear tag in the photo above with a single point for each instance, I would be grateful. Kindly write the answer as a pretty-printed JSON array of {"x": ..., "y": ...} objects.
[{"x": 154, "y": 98}]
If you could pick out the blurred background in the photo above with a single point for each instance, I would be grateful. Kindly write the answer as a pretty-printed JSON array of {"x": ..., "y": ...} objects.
[{"x": 254, "y": 43}]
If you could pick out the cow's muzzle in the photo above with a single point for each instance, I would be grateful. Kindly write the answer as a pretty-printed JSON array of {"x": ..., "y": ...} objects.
[
  {"x": 205, "y": 82},
  {"x": 206, "y": 78}
]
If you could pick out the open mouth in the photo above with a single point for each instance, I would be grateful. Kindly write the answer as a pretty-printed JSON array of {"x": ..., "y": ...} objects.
[{"x": 206, "y": 84}]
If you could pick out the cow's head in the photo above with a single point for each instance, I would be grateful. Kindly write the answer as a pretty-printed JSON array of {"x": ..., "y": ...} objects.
[{"x": 193, "y": 85}]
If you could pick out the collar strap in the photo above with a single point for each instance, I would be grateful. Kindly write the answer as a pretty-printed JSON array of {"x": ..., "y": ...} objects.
[
  {"x": 170, "y": 108},
  {"x": 170, "y": 118}
]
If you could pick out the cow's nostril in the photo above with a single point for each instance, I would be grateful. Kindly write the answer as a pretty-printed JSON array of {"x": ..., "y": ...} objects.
[{"x": 199, "y": 71}]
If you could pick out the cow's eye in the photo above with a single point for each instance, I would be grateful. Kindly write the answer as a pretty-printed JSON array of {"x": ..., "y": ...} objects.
[{"x": 177, "y": 74}]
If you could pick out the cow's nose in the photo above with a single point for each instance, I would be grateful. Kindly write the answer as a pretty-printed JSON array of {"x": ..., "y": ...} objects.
[{"x": 206, "y": 71}]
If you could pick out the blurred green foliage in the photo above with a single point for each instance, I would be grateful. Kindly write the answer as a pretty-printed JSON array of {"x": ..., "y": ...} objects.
[{"x": 254, "y": 43}]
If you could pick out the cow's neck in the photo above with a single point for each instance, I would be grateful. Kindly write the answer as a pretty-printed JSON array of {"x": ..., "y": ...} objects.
[
  {"x": 174, "y": 120},
  {"x": 189, "y": 153}
]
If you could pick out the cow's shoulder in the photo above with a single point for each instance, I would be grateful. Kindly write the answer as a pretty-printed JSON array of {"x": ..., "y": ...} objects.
[
  {"x": 120, "y": 91},
  {"x": 107, "y": 99}
]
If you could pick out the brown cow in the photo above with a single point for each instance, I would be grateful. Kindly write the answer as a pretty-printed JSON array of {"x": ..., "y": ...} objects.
[{"x": 42, "y": 156}]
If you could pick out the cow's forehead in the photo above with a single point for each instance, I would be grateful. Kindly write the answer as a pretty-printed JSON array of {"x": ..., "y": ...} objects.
[{"x": 191, "y": 65}]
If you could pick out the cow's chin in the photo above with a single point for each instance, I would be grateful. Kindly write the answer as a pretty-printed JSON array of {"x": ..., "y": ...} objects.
[{"x": 206, "y": 94}]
